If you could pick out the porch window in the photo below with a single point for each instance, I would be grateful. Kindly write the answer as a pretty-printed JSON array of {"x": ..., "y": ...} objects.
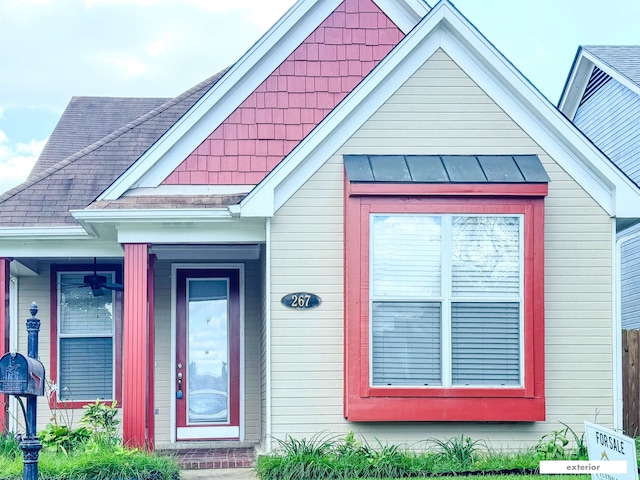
[
  {"x": 444, "y": 287},
  {"x": 86, "y": 331}
]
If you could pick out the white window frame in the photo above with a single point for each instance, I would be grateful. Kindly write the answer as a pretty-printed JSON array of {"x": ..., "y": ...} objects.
[{"x": 446, "y": 298}]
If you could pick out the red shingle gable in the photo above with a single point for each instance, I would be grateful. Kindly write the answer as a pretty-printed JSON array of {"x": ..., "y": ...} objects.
[{"x": 293, "y": 99}]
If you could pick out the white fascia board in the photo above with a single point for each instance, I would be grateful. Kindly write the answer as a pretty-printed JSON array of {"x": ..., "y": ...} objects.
[
  {"x": 34, "y": 248},
  {"x": 224, "y": 97},
  {"x": 120, "y": 216},
  {"x": 406, "y": 14},
  {"x": 576, "y": 85},
  {"x": 444, "y": 27},
  {"x": 43, "y": 233}
]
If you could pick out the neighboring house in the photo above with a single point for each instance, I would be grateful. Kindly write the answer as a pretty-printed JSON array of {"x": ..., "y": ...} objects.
[
  {"x": 458, "y": 230},
  {"x": 602, "y": 98}
]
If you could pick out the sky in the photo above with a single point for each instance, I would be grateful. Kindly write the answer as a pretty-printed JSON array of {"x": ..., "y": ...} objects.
[{"x": 51, "y": 50}]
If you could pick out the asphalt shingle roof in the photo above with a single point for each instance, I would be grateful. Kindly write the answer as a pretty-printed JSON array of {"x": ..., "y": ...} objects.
[
  {"x": 73, "y": 183},
  {"x": 623, "y": 58},
  {"x": 85, "y": 121}
]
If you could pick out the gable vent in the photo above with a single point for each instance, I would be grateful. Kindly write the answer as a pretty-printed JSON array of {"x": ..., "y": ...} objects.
[{"x": 598, "y": 80}]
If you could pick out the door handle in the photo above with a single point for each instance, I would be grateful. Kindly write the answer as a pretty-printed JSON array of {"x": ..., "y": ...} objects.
[{"x": 179, "y": 394}]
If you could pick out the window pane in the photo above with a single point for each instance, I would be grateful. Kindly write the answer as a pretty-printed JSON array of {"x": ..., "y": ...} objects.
[
  {"x": 406, "y": 343},
  {"x": 86, "y": 369},
  {"x": 80, "y": 312},
  {"x": 485, "y": 256},
  {"x": 406, "y": 256},
  {"x": 485, "y": 343},
  {"x": 208, "y": 351}
]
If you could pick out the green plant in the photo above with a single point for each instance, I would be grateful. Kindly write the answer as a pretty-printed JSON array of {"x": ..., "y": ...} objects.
[
  {"x": 580, "y": 452},
  {"x": 317, "y": 446},
  {"x": 552, "y": 445},
  {"x": 100, "y": 419},
  {"x": 461, "y": 450},
  {"x": 61, "y": 438},
  {"x": 9, "y": 446}
]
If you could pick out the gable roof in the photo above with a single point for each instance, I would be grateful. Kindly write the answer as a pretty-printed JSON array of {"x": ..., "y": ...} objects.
[
  {"x": 621, "y": 62},
  {"x": 46, "y": 198},
  {"x": 86, "y": 120},
  {"x": 444, "y": 27},
  {"x": 242, "y": 79}
]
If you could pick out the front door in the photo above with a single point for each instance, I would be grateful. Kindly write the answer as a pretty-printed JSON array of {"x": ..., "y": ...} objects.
[{"x": 208, "y": 354}]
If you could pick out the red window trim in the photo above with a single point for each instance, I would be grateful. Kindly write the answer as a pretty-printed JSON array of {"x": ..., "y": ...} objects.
[
  {"x": 365, "y": 403},
  {"x": 53, "y": 340}
]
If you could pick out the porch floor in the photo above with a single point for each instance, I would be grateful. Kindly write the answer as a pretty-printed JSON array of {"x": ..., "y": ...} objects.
[{"x": 211, "y": 458}]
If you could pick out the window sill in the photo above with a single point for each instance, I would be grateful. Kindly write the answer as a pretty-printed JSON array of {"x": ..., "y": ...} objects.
[
  {"x": 453, "y": 392},
  {"x": 446, "y": 409}
]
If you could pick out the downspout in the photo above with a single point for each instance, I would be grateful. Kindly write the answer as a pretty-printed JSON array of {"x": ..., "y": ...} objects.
[
  {"x": 617, "y": 325},
  {"x": 267, "y": 328}
]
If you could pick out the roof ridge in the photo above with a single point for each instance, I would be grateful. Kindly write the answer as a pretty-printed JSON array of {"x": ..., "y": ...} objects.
[{"x": 113, "y": 135}]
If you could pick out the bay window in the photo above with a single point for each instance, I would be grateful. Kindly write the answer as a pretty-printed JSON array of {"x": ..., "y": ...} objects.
[{"x": 444, "y": 302}]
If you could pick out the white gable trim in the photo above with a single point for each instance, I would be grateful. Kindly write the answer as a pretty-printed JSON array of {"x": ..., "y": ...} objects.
[
  {"x": 575, "y": 86},
  {"x": 579, "y": 78},
  {"x": 406, "y": 14},
  {"x": 238, "y": 83},
  {"x": 445, "y": 28}
]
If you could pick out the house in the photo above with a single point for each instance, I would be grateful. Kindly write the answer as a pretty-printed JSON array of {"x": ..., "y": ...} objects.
[
  {"x": 377, "y": 160},
  {"x": 602, "y": 98}
]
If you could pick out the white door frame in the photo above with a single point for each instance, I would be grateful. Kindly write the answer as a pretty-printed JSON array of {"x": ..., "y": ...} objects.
[{"x": 193, "y": 266}]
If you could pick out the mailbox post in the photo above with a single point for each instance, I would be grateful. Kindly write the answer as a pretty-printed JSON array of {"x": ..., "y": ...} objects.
[
  {"x": 24, "y": 377},
  {"x": 30, "y": 445}
]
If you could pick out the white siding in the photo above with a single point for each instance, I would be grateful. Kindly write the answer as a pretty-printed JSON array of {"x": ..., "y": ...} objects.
[
  {"x": 162, "y": 349},
  {"x": 438, "y": 111},
  {"x": 611, "y": 119}
]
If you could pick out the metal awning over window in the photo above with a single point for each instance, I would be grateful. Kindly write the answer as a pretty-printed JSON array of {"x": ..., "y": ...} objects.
[{"x": 445, "y": 169}]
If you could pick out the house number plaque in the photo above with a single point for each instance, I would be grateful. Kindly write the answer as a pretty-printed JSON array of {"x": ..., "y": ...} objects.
[{"x": 301, "y": 300}]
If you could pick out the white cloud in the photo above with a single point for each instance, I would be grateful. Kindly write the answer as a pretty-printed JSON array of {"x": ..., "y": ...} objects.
[
  {"x": 261, "y": 12},
  {"x": 17, "y": 160}
]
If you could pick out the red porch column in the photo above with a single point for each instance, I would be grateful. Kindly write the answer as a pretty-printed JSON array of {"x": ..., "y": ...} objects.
[
  {"x": 136, "y": 361},
  {"x": 5, "y": 280}
]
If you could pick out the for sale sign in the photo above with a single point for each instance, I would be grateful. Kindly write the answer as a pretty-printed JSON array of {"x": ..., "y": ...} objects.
[{"x": 606, "y": 445}]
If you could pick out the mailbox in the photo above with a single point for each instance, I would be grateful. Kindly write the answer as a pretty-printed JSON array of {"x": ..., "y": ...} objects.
[{"x": 20, "y": 375}]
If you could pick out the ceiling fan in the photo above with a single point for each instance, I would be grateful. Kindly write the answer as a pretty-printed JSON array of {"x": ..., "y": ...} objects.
[{"x": 98, "y": 282}]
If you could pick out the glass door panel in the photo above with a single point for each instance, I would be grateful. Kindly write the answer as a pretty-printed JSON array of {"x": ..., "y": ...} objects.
[{"x": 208, "y": 351}]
